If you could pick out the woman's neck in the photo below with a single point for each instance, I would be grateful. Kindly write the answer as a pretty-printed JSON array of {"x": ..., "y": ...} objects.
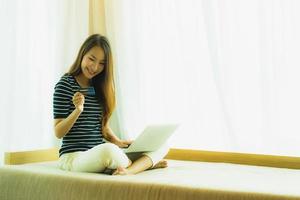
[{"x": 83, "y": 81}]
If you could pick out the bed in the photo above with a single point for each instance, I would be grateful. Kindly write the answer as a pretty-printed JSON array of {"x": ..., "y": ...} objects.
[{"x": 183, "y": 179}]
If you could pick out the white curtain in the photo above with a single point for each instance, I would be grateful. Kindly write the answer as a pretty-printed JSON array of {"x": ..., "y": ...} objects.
[
  {"x": 226, "y": 70},
  {"x": 39, "y": 41}
]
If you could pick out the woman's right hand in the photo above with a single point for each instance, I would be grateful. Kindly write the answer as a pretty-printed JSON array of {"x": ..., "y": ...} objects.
[
  {"x": 123, "y": 143},
  {"x": 78, "y": 101}
]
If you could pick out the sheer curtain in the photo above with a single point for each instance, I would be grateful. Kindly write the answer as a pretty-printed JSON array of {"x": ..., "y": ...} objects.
[
  {"x": 39, "y": 40},
  {"x": 226, "y": 70}
]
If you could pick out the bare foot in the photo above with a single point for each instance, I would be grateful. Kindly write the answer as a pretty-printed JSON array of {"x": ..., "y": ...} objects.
[
  {"x": 160, "y": 164},
  {"x": 121, "y": 171},
  {"x": 130, "y": 162}
]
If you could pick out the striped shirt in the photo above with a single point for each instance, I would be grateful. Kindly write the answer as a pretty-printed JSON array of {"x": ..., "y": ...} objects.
[{"x": 87, "y": 130}]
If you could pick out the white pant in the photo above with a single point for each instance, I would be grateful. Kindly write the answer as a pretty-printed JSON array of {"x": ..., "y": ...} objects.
[{"x": 103, "y": 156}]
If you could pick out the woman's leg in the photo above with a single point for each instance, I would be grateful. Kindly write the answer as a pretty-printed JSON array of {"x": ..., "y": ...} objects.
[
  {"x": 160, "y": 164},
  {"x": 99, "y": 158},
  {"x": 145, "y": 161},
  {"x": 141, "y": 164}
]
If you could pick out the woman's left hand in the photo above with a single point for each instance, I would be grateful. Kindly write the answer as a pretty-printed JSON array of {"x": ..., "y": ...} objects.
[{"x": 123, "y": 143}]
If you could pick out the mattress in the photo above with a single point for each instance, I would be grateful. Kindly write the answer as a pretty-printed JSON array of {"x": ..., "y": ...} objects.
[{"x": 181, "y": 180}]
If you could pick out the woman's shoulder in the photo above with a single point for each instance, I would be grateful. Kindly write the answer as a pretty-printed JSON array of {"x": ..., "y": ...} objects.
[
  {"x": 67, "y": 77},
  {"x": 66, "y": 80}
]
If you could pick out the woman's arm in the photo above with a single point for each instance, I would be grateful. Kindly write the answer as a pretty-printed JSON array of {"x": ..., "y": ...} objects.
[
  {"x": 111, "y": 137},
  {"x": 63, "y": 126}
]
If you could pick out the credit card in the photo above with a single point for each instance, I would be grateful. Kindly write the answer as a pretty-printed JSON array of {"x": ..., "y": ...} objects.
[{"x": 88, "y": 91}]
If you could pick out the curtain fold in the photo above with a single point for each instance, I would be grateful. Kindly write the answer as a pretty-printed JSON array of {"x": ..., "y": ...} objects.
[
  {"x": 226, "y": 70},
  {"x": 40, "y": 40},
  {"x": 97, "y": 17}
]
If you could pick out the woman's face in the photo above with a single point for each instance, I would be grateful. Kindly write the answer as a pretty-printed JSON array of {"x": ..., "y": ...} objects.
[{"x": 93, "y": 62}]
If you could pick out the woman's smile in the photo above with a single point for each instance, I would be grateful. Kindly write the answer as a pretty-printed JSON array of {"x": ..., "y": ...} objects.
[{"x": 90, "y": 71}]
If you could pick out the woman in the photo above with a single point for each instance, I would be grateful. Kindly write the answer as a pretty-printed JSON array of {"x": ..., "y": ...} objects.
[{"x": 84, "y": 100}]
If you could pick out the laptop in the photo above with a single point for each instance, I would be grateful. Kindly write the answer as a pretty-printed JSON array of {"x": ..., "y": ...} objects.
[{"x": 152, "y": 138}]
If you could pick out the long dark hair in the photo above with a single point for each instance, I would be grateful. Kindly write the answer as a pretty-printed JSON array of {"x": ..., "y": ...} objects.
[{"x": 104, "y": 82}]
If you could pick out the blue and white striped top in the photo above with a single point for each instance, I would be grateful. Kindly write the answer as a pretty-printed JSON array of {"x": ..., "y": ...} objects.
[{"x": 87, "y": 130}]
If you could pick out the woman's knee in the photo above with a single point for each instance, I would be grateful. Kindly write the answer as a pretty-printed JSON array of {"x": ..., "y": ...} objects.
[
  {"x": 109, "y": 149},
  {"x": 114, "y": 156},
  {"x": 159, "y": 154}
]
